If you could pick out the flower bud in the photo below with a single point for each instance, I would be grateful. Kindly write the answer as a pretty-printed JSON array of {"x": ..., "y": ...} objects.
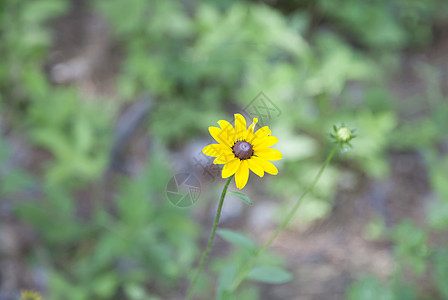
[{"x": 344, "y": 134}]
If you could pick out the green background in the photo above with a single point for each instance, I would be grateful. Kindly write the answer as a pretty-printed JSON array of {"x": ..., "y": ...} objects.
[{"x": 103, "y": 102}]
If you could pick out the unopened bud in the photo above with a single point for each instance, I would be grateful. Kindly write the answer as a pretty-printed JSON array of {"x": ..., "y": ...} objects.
[{"x": 344, "y": 134}]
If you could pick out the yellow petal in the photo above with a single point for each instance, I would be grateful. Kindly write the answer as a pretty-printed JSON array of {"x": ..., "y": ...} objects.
[
  {"x": 250, "y": 131},
  {"x": 231, "y": 167},
  {"x": 227, "y": 130},
  {"x": 225, "y": 156},
  {"x": 220, "y": 136},
  {"x": 240, "y": 127},
  {"x": 266, "y": 142},
  {"x": 260, "y": 133},
  {"x": 225, "y": 125},
  {"x": 267, "y": 166},
  {"x": 268, "y": 154},
  {"x": 214, "y": 150},
  {"x": 242, "y": 175},
  {"x": 255, "y": 167}
]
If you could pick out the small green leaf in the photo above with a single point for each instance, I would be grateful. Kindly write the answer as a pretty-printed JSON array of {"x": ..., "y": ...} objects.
[
  {"x": 269, "y": 275},
  {"x": 242, "y": 196},
  {"x": 237, "y": 239},
  {"x": 105, "y": 286}
]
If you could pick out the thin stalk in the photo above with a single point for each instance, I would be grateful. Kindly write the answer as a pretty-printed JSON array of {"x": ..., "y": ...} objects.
[
  {"x": 210, "y": 241},
  {"x": 247, "y": 267}
]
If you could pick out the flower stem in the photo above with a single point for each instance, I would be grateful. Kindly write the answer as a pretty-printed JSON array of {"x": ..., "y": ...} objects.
[
  {"x": 248, "y": 266},
  {"x": 210, "y": 241}
]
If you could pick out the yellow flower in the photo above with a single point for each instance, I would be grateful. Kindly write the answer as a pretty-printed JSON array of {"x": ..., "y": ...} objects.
[
  {"x": 241, "y": 149},
  {"x": 29, "y": 295}
]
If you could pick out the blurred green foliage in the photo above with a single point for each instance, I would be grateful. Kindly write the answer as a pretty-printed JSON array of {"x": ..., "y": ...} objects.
[{"x": 320, "y": 62}]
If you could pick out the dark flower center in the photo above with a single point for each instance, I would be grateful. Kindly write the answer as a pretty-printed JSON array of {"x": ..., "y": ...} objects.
[{"x": 243, "y": 150}]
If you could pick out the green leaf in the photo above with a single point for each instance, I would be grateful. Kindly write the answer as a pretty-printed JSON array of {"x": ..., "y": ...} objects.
[
  {"x": 269, "y": 274},
  {"x": 134, "y": 291},
  {"x": 242, "y": 196},
  {"x": 105, "y": 286},
  {"x": 441, "y": 272},
  {"x": 228, "y": 274},
  {"x": 237, "y": 239}
]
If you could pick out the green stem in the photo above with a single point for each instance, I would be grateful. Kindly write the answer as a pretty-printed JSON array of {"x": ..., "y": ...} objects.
[
  {"x": 248, "y": 266},
  {"x": 210, "y": 241}
]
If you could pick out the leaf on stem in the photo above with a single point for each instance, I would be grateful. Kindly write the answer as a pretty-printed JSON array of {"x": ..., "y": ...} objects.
[
  {"x": 237, "y": 239},
  {"x": 269, "y": 274},
  {"x": 242, "y": 196}
]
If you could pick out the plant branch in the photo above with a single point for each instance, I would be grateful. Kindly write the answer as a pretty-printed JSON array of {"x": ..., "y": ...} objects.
[
  {"x": 210, "y": 241},
  {"x": 248, "y": 266}
]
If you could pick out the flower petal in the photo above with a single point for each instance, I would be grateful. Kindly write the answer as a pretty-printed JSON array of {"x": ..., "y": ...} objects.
[
  {"x": 220, "y": 136},
  {"x": 267, "y": 166},
  {"x": 228, "y": 131},
  {"x": 260, "y": 134},
  {"x": 231, "y": 167},
  {"x": 242, "y": 175},
  {"x": 250, "y": 131},
  {"x": 225, "y": 156},
  {"x": 255, "y": 167},
  {"x": 240, "y": 127},
  {"x": 266, "y": 142},
  {"x": 268, "y": 154},
  {"x": 214, "y": 150}
]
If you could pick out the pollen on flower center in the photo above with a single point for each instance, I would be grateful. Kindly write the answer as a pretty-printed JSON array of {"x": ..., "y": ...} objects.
[{"x": 243, "y": 150}]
